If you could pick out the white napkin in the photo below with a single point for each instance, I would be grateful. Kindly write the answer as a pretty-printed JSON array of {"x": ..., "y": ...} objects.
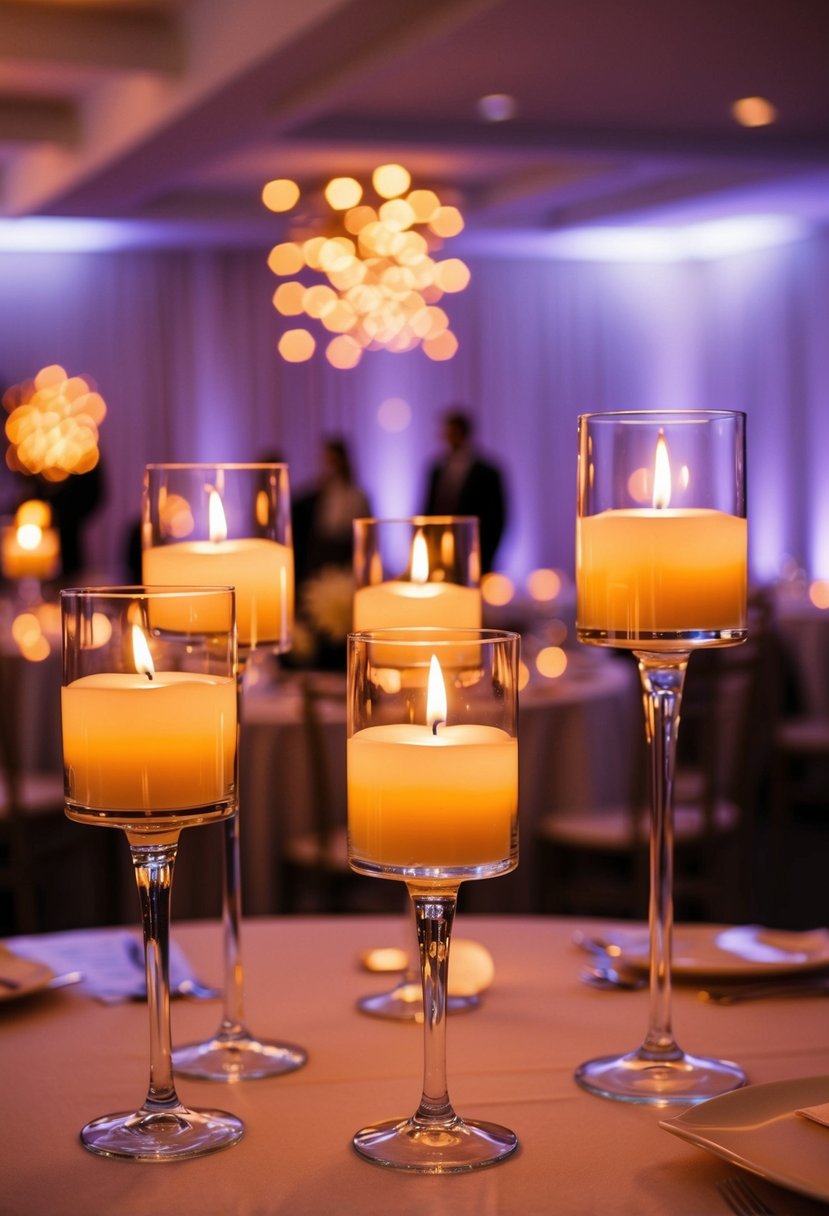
[
  {"x": 820, "y": 1114},
  {"x": 106, "y": 958}
]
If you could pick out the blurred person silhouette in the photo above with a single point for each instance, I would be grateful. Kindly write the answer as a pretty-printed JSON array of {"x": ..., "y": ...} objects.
[
  {"x": 463, "y": 482},
  {"x": 323, "y": 515}
]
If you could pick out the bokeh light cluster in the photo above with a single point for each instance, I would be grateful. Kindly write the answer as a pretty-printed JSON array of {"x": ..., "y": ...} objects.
[
  {"x": 365, "y": 268},
  {"x": 53, "y": 424}
]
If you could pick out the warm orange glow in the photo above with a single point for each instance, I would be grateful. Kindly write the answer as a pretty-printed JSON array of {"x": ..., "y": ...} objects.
[
  {"x": 435, "y": 695},
  {"x": 53, "y": 425},
  {"x": 661, "y": 474},
  {"x": 819, "y": 593},
  {"x": 523, "y": 675},
  {"x": 288, "y": 298},
  {"x": 446, "y": 221},
  {"x": 142, "y": 658},
  {"x": 390, "y": 180},
  {"x": 296, "y": 345},
  {"x": 441, "y": 348},
  {"x": 543, "y": 585},
  {"x": 281, "y": 194},
  {"x": 452, "y": 275},
  {"x": 216, "y": 520},
  {"x": 343, "y": 352},
  {"x": 497, "y": 590},
  {"x": 754, "y": 112},
  {"x": 33, "y": 511},
  {"x": 419, "y": 569},
  {"x": 380, "y": 287},
  {"x": 175, "y": 515},
  {"x": 551, "y": 662},
  {"x": 286, "y": 258},
  {"x": 342, "y": 193}
]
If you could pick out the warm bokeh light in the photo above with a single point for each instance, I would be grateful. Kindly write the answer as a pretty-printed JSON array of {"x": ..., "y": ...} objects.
[
  {"x": 394, "y": 414},
  {"x": 497, "y": 590},
  {"x": 281, "y": 194},
  {"x": 33, "y": 511},
  {"x": 496, "y": 107},
  {"x": 543, "y": 585},
  {"x": 342, "y": 193},
  {"x": 391, "y": 180},
  {"x": 556, "y": 632},
  {"x": 551, "y": 662},
  {"x": 53, "y": 424},
  {"x": 819, "y": 593},
  {"x": 296, "y": 345},
  {"x": 286, "y": 258},
  {"x": 382, "y": 284},
  {"x": 754, "y": 112},
  {"x": 523, "y": 675}
]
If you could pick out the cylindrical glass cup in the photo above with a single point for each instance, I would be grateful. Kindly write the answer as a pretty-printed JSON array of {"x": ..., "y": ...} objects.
[
  {"x": 432, "y": 761},
  {"x": 150, "y": 745}
]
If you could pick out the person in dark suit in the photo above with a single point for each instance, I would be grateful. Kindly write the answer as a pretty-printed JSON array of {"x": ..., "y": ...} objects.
[{"x": 464, "y": 483}]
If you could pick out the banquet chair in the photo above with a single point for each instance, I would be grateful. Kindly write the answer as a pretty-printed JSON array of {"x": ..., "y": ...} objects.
[
  {"x": 34, "y": 832},
  {"x": 594, "y": 860},
  {"x": 314, "y": 872}
]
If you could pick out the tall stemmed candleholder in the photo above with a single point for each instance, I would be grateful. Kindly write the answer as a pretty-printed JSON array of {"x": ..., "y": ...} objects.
[
  {"x": 432, "y": 761},
  {"x": 423, "y": 570},
  {"x": 150, "y": 744},
  {"x": 661, "y": 571},
  {"x": 228, "y": 524}
]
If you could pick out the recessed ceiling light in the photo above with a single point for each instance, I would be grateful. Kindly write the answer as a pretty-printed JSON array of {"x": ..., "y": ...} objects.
[
  {"x": 496, "y": 107},
  {"x": 754, "y": 112}
]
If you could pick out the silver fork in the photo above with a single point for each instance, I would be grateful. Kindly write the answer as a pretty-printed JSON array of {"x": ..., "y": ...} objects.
[{"x": 740, "y": 1197}]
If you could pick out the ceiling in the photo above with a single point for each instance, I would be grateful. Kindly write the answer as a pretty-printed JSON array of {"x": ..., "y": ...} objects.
[{"x": 178, "y": 111}]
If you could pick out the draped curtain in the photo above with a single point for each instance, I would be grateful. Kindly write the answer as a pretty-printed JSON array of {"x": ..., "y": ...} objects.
[{"x": 182, "y": 345}]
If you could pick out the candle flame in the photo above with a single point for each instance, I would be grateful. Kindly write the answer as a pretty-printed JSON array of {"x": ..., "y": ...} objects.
[
  {"x": 141, "y": 653},
  {"x": 435, "y": 696},
  {"x": 216, "y": 522},
  {"x": 661, "y": 474},
  {"x": 420, "y": 559}
]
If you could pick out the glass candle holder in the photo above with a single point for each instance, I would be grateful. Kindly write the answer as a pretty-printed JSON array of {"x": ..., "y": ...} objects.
[
  {"x": 432, "y": 762},
  {"x": 150, "y": 745}
]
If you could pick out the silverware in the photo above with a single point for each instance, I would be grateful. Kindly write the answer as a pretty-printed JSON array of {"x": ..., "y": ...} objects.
[
  {"x": 732, "y": 994},
  {"x": 608, "y": 975},
  {"x": 186, "y": 986},
  {"x": 741, "y": 1198}
]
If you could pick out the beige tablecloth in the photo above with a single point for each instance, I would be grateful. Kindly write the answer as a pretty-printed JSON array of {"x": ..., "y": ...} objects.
[{"x": 67, "y": 1059}]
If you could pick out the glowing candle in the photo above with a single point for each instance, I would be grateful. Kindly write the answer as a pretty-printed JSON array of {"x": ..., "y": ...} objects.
[
  {"x": 261, "y": 570},
  {"x": 661, "y": 569},
  {"x": 432, "y": 795},
  {"x": 149, "y": 741},
  {"x": 398, "y": 603}
]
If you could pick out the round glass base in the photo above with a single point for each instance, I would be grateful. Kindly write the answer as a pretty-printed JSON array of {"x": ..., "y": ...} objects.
[
  {"x": 237, "y": 1058},
  {"x": 680, "y": 1080},
  {"x": 404, "y": 1003},
  {"x": 170, "y": 1135},
  {"x": 453, "y": 1147}
]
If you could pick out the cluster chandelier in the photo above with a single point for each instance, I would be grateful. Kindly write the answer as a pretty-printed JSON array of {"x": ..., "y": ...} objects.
[
  {"x": 365, "y": 268},
  {"x": 53, "y": 424}
]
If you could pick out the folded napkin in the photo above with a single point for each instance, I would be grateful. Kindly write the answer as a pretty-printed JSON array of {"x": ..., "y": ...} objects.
[
  {"x": 111, "y": 964},
  {"x": 820, "y": 1114}
]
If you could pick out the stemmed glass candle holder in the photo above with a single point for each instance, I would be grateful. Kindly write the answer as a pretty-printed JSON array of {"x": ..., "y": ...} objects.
[
  {"x": 422, "y": 570},
  {"x": 661, "y": 570},
  {"x": 229, "y": 524},
  {"x": 432, "y": 762},
  {"x": 150, "y": 741}
]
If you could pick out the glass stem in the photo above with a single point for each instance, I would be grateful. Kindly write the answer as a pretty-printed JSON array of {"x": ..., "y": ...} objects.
[
  {"x": 233, "y": 1015},
  {"x": 434, "y": 914},
  {"x": 234, "y": 988},
  {"x": 154, "y": 875},
  {"x": 662, "y": 678}
]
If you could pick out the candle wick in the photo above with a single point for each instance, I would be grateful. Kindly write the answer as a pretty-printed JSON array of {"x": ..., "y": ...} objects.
[
  {"x": 435, "y": 725},
  {"x": 149, "y": 675}
]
